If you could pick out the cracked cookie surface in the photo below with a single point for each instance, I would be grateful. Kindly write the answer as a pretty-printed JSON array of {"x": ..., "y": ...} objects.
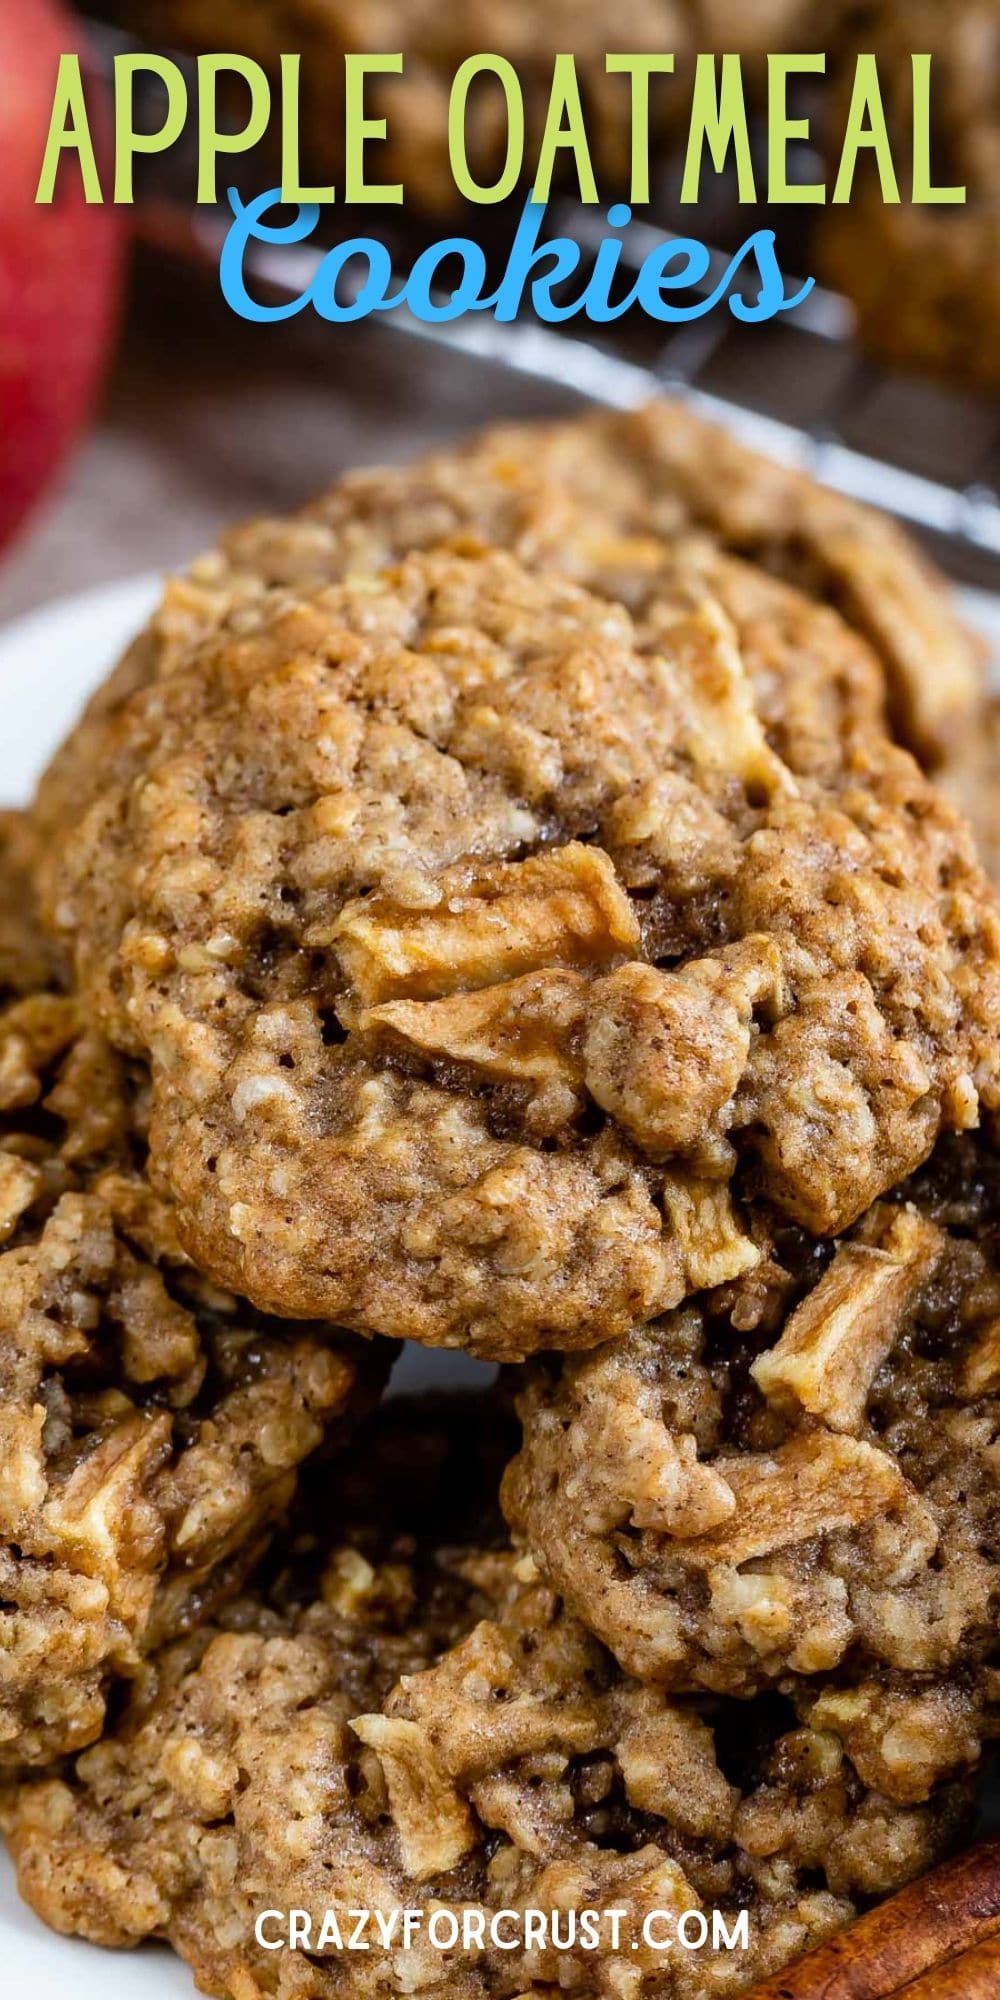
[
  {"x": 151, "y": 1425},
  {"x": 426, "y": 1727},
  {"x": 478, "y": 936},
  {"x": 619, "y": 503},
  {"x": 971, "y": 780},
  {"x": 797, "y": 1475}
]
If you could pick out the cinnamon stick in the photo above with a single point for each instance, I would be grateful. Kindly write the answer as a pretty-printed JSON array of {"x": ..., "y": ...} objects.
[
  {"x": 891, "y": 1953},
  {"x": 973, "y": 1975}
]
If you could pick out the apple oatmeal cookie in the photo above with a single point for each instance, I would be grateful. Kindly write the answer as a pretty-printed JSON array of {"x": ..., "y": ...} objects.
[
  {"x": 798, "y": 1474},
  {"x": 433, "y": 1731},
  {"x": 624, "y": 504},
  {"x": 971, "y": 780},
  {"x": 28, "y": 961},
  {"x": 479, "y": 939},
  {"x": 151, "y": 1426}
]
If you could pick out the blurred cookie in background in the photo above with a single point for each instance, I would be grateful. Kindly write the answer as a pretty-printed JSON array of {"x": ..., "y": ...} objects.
[{"x": 926, "y": 279}]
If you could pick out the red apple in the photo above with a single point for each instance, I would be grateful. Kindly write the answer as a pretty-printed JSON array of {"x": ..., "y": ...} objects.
[{"x": 59, "y": 268}]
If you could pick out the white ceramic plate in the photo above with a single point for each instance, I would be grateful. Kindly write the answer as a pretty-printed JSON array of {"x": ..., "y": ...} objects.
[{"x": 49, "y": 663}]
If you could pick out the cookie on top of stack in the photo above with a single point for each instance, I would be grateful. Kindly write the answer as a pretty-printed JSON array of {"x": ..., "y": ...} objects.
[{"x": 511, "y": 925}]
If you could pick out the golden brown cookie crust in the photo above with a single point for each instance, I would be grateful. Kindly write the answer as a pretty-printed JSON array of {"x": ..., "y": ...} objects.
[
  {"x": 612, "y": 501},
  {"x": 794, "y": 1476},
  {"x": 971, "y": 780},
  {"x": 151, "y": 1426},
  {"x": 27, "y": 958},
  {"x": 271, "y": 1763},
  {"x": 477, "y": 935}
]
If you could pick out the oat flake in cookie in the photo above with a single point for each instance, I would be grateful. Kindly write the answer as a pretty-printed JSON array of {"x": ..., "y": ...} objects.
[
  {"x": 427, "y": 1730},
  {"x": 798, "y": 1474},
  {"x": 618, "y": 502},
  {"x": 151, "y": 1427},
  {"x": 478, "y": 938}
]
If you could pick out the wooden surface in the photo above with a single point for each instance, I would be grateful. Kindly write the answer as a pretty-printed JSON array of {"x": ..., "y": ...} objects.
[{"x": 208, "y": 419}]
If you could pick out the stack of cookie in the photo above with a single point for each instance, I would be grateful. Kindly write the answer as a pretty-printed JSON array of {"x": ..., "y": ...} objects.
[{"x": 501, "y": 909}]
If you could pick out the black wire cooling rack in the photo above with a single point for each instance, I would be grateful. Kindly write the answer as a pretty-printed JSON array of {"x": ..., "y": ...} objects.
[{"x": 799, "y": 387}]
